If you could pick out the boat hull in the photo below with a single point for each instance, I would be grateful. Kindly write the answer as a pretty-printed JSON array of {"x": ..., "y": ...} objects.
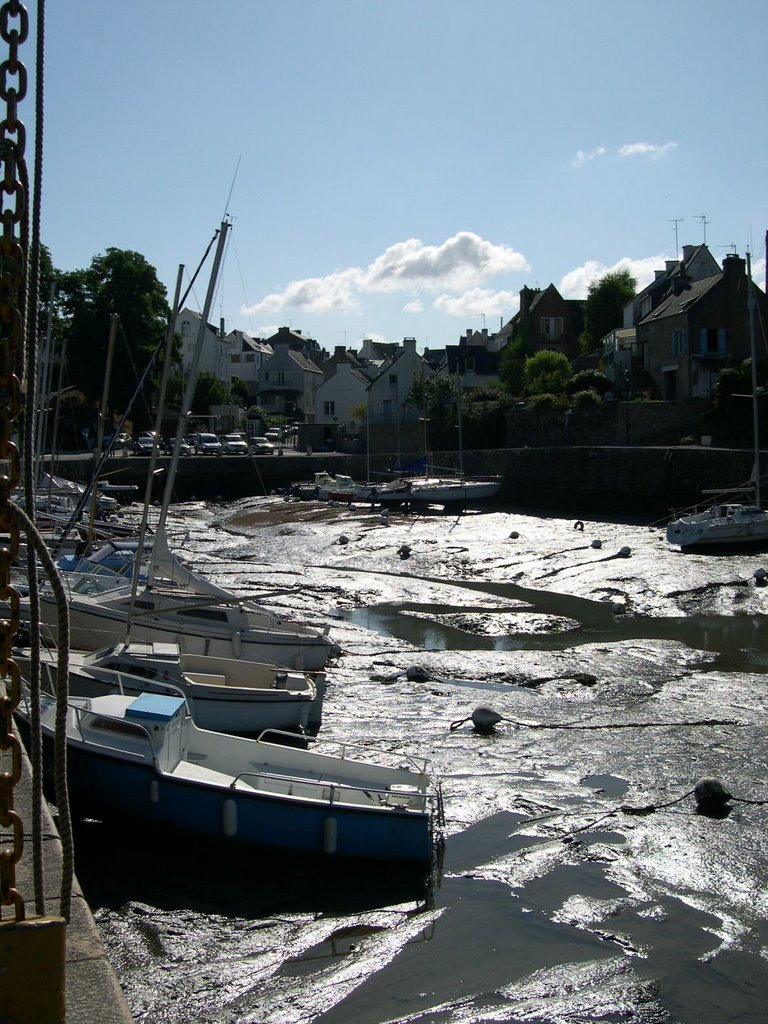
[{"x": 242, "y": 817}]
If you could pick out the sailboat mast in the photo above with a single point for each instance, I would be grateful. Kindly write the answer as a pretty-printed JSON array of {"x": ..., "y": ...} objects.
[
  {"x": 189, "y": 392},
  {"x": 755, "y": 396}
]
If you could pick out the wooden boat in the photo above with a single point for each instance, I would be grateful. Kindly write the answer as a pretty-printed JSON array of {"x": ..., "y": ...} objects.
[
  {"x": 143, "y": 758},
  {"x": 224, "y": 694}
]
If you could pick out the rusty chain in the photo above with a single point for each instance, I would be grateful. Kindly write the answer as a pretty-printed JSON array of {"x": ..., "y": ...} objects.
[{"x": 14, "y": 28}]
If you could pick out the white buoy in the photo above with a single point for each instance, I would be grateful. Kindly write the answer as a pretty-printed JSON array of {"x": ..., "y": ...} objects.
[
  {"x": 229, "y": 818},
  {"x": 330, "y": 835}
]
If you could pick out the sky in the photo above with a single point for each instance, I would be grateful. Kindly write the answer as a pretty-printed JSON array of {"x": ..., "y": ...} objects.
[{"x": 401, "y": 168}]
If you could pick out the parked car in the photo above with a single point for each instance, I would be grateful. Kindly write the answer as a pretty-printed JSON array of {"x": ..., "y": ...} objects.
[
  {"x": 274, "y": 435},
  {"x": 262, "y": 446},
  {"x": 233, "y": 444},
  {"x": 143, "y": 444},
  {"x": 207, "y": 444}
]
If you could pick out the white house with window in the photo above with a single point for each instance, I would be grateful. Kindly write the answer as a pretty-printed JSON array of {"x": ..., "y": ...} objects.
[
  {"x": 387, "y": 393},
  {"x": 339, "y": 394},
  {"x": 246, "y": 356},
  {"x": 214, "y": 354},
  {"x": 287, "y": 383}
]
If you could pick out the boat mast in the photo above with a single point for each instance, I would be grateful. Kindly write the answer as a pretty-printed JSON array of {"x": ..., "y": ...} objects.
[
  {"x": 189, "y": 393},
  {"x": 755, "y": 396}
]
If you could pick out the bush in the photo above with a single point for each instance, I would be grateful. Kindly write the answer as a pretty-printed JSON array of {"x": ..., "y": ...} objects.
[
  {"x": 546, "y": 401},
  {"x": 587, "y": 399},
  {"x": 589, "y": 380}
]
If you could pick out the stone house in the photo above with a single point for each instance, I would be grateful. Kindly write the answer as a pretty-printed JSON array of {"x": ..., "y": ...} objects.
[
  {"x": 473, "y": 359},
  {"x": 698, "y": 330},
  {"x": 549, "y": 321},
  {"x": 288, "y": 378}
]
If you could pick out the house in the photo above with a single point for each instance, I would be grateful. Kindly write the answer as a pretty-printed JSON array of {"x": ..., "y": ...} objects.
[
  {"x": 701, "y": 327},
  {"x": 246, "y": 357},
  {"x": 288, "y": 378},
  {"x": 697, "y": 263},
  {"x": 473, "y": 360},
  {"x": 620, "y": 359},
  {"x": 388, "y": 391},
  {"x": 343, "y": 391},
  {"x": 546, "y": 320},
  {"x": 214, "y": 354}
]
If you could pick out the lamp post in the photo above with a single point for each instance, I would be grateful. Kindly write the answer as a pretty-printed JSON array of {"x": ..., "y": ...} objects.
[{"x": 626, "y": 407}]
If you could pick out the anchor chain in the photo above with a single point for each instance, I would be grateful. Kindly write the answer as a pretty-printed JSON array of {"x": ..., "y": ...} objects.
[{"x": 14, "y": 28}]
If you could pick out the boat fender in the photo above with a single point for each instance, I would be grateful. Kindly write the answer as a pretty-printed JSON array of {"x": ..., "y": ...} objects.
[
  {"x": 343, "y": 539},
  {"x": 237, "y": 643},
  {"x": 578, "y": 525},
  {"x": 229, "y": 818},
  {"x": 761, "y": 577},
  {"x": 514, "y": 535},
  {"x": 281, "y": 681},
  {"x": 711, "y": 796},
  {"x": 417, "y": 674},
  {"x": 330, "y": 835},
  {"x": 597, "y": 543},
  {"x": 154, "y": 792}
]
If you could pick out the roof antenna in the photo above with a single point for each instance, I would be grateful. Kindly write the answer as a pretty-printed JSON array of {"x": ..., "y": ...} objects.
[
  {"x": 703, "y": 218},
  {"x": 232, "y": 186},
  {"x": 676, "y": 221}
]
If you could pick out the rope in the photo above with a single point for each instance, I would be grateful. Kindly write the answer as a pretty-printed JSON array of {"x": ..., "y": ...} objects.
[
  {"x": 62, "y": 694},
  {"x": 576, "y": 726}
]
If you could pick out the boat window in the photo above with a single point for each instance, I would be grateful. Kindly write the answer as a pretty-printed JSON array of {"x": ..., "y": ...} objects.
[
  {"x": 118, "y": 725},
  {"x": 210, "y": 614}
]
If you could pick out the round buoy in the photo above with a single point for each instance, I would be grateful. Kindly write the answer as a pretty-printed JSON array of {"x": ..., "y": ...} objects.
[
  {"x": 343, "y": 539},
  {"x": 597, "y": 544},
  {"x": 625, "y": 552},
  {"x": 484, "y": 719},
  {"x": 710, "y": 795},
  {"x": 404, "y": 551},
  {"x": 761, "y": 577},
  {"x": 514, "y": 535},
  {"x": 578, "y": 525}
]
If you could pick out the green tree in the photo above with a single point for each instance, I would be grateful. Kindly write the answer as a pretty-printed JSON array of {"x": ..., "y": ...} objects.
[
  {"x": 589, "y": 380},
  {"x": 209, "y": 390},
  {"x": 511, "y": 365},
  {"x": 546, "y": 372},
  {"x": 239, "y": 391},
  {"x": 604, "y": 311},
  {"x": 122, "y": 282}
]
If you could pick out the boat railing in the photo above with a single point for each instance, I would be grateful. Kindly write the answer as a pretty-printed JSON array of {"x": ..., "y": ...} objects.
[
  {"x": 347, "y": 750},
  {"x": 395, "y": 797}
]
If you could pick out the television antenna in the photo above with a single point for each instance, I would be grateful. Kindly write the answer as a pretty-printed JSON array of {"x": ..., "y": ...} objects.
[
  {"x": 703, "y": 218},
  {"x": 676, "y": 221}
]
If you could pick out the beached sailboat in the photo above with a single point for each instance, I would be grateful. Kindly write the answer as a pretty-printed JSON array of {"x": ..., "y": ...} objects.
[
  {"x": 143, "y": 758},
  {"x": 224, "y": 694}
]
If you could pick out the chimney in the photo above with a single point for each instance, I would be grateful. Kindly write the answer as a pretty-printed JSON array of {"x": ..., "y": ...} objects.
[
  {"x": 734, "y": 265},
  {"x": 339, "y": 351},
  {"x": 688, "y": 252},
  {"x": 525, "y": 297},
  {"x": 221, "y": 328}
]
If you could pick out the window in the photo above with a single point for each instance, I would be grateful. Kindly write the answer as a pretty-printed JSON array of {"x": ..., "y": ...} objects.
[
  {"x": 250, "y": 357},
  {"x": 386, "y": 411},
  {"x": 281, "y": 377},
  {"x": 678, "y": 341},
  {"x": 329, "y": 408},
  {"x": 393, "y": 378},
  {"x": 469, "y": 364},
  {"x": 186, "y": 328},
  {"x": 266, "y": 375},
  {"x": 552, "y": 327},
  {"x": 235, "y": 358},
  {"x": 712, "y": 340}
]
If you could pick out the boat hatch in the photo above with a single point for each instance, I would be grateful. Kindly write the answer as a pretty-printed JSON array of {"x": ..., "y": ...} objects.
[{"x": 152, "y": 707}]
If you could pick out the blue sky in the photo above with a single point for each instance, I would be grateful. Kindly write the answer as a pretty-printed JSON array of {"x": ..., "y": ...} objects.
[{"x": 402, "y": 167}]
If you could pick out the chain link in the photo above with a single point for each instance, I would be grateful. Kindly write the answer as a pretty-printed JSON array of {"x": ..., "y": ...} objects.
[{"x": 14, "y": 27}]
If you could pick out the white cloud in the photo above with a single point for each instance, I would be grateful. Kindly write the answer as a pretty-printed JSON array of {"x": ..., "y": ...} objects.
[
  {"x": 414, "y": 307},
  {"x": 647, "y": 149},
  {"x": 478, "y": 301},
  {"x": 575, "y": 284},
  {"x": 461, "y": 262},
  {"x": 582, "y": 158},
  {"x": 758, "y": 272}
]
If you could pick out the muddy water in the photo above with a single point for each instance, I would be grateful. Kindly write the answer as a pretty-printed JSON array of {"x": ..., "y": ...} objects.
[{"x": 624, "y": 672}]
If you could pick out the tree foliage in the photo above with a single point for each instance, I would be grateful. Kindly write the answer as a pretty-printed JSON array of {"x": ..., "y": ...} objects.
[
  {"x": 546, "y": 372},
  {"x": 122, "y": 282},
  {"x": 589, "y": 380},
  {"x": 513, "y": 356},
  {"x": 209, "y": 390},
  {"x": 604, "y": 309}
]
